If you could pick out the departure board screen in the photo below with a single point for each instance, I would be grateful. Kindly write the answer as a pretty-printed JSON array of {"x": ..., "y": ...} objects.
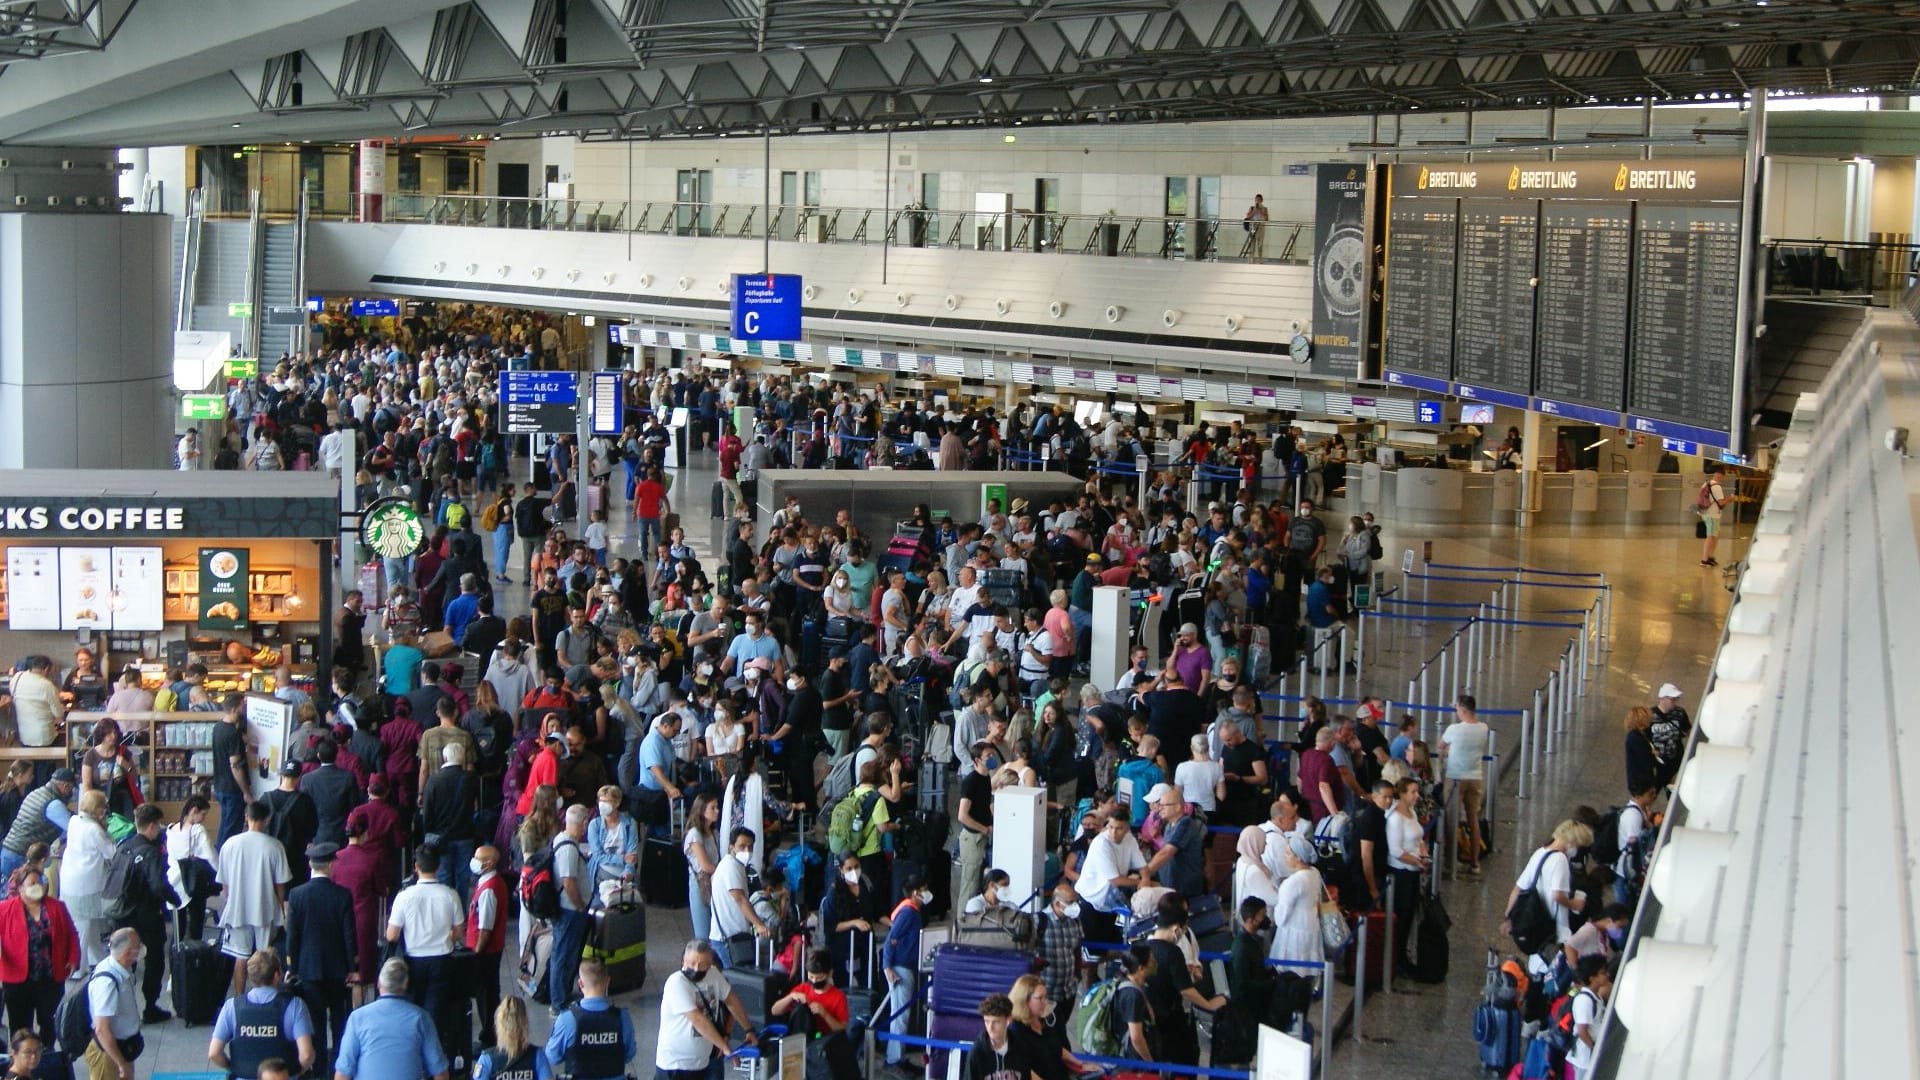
[
  {"x": 1685, "y": 314},
  {"x": 1586, "y": 258},
  {"x": 1493, "y": 314},
  {"x": 1422, "y": 243}
]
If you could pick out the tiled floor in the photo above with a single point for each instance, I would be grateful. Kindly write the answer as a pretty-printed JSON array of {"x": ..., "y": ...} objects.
[{"x": 1666, "y": 619}]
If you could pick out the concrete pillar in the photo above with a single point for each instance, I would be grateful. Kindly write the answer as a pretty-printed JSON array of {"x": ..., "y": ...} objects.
[
  {"x": 1110, "y": 630},
  {"x": 86, "y": 355}
]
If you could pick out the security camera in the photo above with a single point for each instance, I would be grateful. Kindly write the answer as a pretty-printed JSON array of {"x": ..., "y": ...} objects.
[{"x": 1170, "y": 318}]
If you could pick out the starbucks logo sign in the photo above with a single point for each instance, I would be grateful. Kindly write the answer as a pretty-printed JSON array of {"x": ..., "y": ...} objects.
[{"x": 392, "y": 528}]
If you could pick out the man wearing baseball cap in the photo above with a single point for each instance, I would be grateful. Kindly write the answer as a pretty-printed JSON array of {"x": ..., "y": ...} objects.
[{"x": 1671, "y": 725}]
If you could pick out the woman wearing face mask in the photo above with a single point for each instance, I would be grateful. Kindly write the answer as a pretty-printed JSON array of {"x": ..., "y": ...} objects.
[
  {"x": 1038, "y": 1036},
  {"x": 613, "y": 841},
  {"x": 744, "y": 804},
  {"x": 854, "y": 911},
  {"x": 39, "y": 948},
  {"x": 839, "y": 598}
]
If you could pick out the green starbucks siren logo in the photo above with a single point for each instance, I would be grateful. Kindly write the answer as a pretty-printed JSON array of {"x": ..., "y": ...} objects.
[{"x": 392, "y": 528}]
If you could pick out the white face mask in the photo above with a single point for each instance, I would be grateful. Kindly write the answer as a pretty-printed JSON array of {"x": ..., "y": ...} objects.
[
  {"x": 745, "y": 857},
  {"x": 706, "y": 669},
  {"x": 606, "y": 809},
  {"x": 560, "y": 804},
  {"x": 852, "y": 877},
  {"x": 793, "y": 684},
  {"x": 474, "y": 864},
  {"x": 753, "y": 629},
  {"x": 1071, "y": 911},
  {"x": 35, "y": 892},
  {"x": 925, "y": 897}
]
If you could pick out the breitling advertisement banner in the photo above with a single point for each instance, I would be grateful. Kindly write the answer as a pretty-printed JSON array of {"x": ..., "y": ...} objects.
[
  {"x": 1685, "y": 183},
  {"x": 1340, "y": 270}
]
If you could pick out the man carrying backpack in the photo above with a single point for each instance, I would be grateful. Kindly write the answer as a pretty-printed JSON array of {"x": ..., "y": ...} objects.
[
  {"x": 144, "y": 898},
  {"x": 1707, "y": 504},
  {"x": 102, "y": 1022}
]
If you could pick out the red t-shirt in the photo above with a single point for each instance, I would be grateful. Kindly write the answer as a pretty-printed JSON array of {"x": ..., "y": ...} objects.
[
  {"x": 1316, "y": 766},
  {"x": 833, "y": 1000},
  {"x": 647, "y": 495},
  {"x": 730, "y": 450}
]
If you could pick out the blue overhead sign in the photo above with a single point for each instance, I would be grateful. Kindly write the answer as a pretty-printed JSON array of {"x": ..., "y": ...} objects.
[
  {"x": 316, "y": 303},
  {"x": 384, "y": 306},
  {"x": 609, "y": 402},
  {"x": 766, "y": 307},
  {"x": 538, "y": 401},
  {"x": 1427, "y": 412}
]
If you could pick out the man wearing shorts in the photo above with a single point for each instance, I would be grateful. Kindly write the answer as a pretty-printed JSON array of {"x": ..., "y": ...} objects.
[
  {"x": 1462, "y": 747},
  {"x": 1712, "y": 497},
  {"x": 253, "y": 867}
]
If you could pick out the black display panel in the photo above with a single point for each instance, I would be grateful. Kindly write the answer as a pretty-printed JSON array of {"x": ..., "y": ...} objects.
[
  {"x": 1685, "y": 314},
  {"x": 1422, "y": 244},
  {"x": 1586, "y": 260},
  {"x": 1493, "y": 315}
]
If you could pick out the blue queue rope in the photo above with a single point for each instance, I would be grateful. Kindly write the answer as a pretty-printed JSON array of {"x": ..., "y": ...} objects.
[
  {"x": 1384, "y": 598},
  {"x": 1516, "y": 570},
  {"x": 1471, "y": 619},
  {"x": 1510, "y": 581}
]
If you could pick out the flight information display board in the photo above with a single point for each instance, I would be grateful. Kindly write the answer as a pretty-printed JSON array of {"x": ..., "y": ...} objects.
[
  {"x": 1685, "y": 319},
  {"x": 1586, "y": 264},
  {"x": 1422, "y": 245},
  {"x": 1493, "y": 314}
]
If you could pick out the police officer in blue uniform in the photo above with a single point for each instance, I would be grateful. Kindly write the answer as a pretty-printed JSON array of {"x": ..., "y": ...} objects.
[
  {"x": 592, "y": 1040},
  {"x": 267, "y": 1024}
]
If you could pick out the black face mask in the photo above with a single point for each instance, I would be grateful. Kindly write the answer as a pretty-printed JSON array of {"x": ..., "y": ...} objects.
[
  {"x": 818, "y": 984},
  {"x": 692, "y": 974}
]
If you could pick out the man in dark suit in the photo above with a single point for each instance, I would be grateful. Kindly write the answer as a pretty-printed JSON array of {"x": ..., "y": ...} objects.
[
  {"x": 320, "y": 947},
  {"x": 334, "y": 793}
]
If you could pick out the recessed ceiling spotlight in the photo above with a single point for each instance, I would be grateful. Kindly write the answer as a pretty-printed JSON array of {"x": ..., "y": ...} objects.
[{"x": 984, "y": 79}]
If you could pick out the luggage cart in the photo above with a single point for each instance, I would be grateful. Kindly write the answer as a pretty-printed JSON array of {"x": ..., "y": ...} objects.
[{"x": 767, "y": 1060}]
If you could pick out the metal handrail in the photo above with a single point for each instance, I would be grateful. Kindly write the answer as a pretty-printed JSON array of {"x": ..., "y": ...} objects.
[
  {"x": 1029, "y": 231},
  {"x": 1871, "y": 273},
  {"x": 189, "y": 260}
]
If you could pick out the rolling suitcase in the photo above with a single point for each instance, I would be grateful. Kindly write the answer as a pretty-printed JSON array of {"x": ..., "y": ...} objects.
[
  {"x": 663, "y": 874},
  {"x": 1497, "y": 1031},
  {"x": 619, "y": 940},
  {"x": 812, "y": 657},
  {"x": 864, "y": 999},
  {"x": 760, "y": 985},
  {"x": 1374, "y": 925},
  {"x": 201, "y": 975},
  {"x": 1259, "y": 666}
]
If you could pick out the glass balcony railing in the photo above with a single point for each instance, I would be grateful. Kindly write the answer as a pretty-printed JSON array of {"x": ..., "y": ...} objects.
[
  {"x": 1869, "y": 273},
  {"x": 1027, "y": 231}
]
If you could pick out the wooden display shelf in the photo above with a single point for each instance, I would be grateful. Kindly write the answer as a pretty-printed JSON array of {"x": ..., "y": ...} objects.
[{"x": 269, "y": 588}]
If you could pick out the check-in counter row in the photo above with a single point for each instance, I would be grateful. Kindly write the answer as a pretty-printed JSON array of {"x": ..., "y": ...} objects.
[{"x": 1457, "y": 497}]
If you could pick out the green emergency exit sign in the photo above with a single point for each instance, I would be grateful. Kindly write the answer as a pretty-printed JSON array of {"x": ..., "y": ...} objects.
[
  {"x": 241, "y": 367},
  {"x": 240, "y": 311},
  {"x": 203, "y": 407}
]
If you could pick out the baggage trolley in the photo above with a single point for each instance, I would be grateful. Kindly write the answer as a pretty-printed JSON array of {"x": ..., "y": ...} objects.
[{"x": 763, "y": 1061}]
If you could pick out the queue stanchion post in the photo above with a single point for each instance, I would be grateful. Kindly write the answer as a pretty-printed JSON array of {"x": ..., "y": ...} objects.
[
  {"x": 1326, "y": 1018},
  {"x": 1526, "y": 736},
  {"x": 1441, "y": 678},
  {"x": 1360, "y": 650},
  {"x": 1386, "y": 961},
  {"x": 1340, "y": 684},
  {"x": 1553, "y": 686},
  {"x": 1421, "y": 700},
  {"x": 1533, "y": 766},
  {"x": 1583, "y": 653},
  {"x": 1359, "y": 976}
]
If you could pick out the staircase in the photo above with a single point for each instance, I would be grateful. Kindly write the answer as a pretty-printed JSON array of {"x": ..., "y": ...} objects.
[
  {"x": 277, "y": 288},
  {"x": 222, "y": 278}
]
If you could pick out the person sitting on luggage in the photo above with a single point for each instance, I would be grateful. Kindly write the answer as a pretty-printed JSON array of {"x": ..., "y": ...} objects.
[
  {"x": 819, "y": 1008},
  {"x": 990, "y": 898},
  {"x": 592, "y": 1040},
  {"x": 267, "y": 1024}
]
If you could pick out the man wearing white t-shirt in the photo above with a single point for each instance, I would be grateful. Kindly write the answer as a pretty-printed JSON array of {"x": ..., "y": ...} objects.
[
  {"x": 1593, "y": 984},
  {"x": 429, "y": 920},
  {"x": 694, "y": 1005},
  {"x": 733, "y": 916},
  {"x": 1113, "y": 863},
  {"x": 1462, "y": 746}
]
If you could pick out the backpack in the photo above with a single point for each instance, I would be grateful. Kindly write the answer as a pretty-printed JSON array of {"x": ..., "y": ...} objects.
[
  {"x": 73, "y": 1019},
  {"x": 847, "y": 826},
  {"x": 1094, "y": 1019},
  {"x": 489, "y": 455},
  {"x": 1705, "y": 500},
  {"x": 490, "y": 517},
  {"x": 1532, "y": 918},
  {"x": 539, "y": 888},
  {"x": 1374, "y": 550},
  {"x": 839, "y": 781},
  {"x": 1559, "y": 1034},
  {"x": 489, "y": 748},
  {"x": 125, "y": 888},
  {"x": 1606, "y": 837}
]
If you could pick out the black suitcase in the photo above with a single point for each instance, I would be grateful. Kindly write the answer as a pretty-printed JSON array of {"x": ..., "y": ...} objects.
[
  {"x": 719, "y": 497},
  {"x": 619, "y": 940},
  {"x": 663, "y": 872},
  {"x": 760, "y": 985},
  {"x": 201, "y": 976},
  {"x": 866, "y": 991}
]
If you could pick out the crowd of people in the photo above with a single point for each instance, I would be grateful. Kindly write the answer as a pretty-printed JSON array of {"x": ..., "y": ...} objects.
[{"x": 819, "y": 693}]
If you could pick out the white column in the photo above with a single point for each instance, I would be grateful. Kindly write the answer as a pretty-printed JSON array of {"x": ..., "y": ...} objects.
[
  {"x": 1019, "y": 843},
  {"x": 1110, "y": 644}
]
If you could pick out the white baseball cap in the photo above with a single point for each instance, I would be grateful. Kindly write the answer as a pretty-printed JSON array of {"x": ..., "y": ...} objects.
[{"x": 1668, "y": 690}]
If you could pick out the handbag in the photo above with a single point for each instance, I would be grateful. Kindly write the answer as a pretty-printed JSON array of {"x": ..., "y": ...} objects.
[
  {"x": 1700, "y": 528},
  {"x": 1334, "y": 931}
]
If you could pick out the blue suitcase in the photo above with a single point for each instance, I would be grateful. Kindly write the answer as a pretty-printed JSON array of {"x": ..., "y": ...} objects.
[{"x": 1497, "y": 1030}]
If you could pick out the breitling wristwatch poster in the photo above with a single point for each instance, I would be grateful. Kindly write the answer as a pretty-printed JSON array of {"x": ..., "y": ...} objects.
[{"x": 1339, "y": 269}]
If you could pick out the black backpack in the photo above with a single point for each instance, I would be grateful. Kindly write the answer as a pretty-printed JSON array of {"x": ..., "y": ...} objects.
[
  {"x": 73, "y": 1019},
  {"x": 489, "y": 741},
  {"x": 1606, "y": 838},
  {"x": 1374, "y": 550}
]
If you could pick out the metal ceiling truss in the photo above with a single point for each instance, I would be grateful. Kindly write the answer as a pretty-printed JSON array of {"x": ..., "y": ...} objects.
[{"x": 697, "y": 68}]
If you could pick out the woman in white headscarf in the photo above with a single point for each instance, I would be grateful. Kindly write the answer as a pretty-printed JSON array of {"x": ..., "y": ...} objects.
[{"x": 1250, "y": 874}]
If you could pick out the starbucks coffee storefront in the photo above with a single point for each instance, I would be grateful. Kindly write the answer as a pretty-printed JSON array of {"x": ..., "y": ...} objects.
[{"x": 157, "y": 570}]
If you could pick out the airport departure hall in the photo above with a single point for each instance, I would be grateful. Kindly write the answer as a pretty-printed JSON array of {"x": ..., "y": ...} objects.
[{"x": 958, "y": 539}]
